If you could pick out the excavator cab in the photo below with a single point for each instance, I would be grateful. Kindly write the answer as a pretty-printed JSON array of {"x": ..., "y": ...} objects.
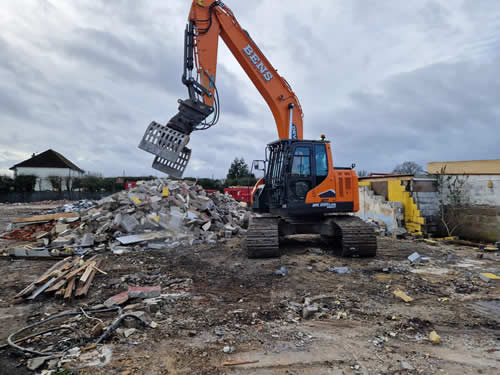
[
  {"x": 302, "y": 193},
  {"x": 300, "y": 180}
]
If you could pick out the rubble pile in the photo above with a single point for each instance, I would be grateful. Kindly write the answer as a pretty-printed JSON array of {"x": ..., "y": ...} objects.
[{"x": 153, "y": 215}]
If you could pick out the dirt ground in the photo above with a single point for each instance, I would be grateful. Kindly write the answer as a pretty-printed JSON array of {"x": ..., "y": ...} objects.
[{"x": 214, "y": 297}]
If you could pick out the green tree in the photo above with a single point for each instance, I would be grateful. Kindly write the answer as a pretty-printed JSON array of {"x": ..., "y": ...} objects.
[
  {"x": 210, "y": 184},
  {"x": 91, "y": 183},
  {"x": 238, "y": 174},
  {"x": 25, "y": 183},
  {"x": 6, "y": 184}
]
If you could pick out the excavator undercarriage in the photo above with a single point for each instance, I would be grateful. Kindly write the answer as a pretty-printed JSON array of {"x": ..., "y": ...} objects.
[{"x": 345, "y": 235}]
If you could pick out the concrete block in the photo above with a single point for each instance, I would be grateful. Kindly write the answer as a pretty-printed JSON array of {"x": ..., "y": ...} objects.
[
  {"x": 87, "y": 240},
  {"x": 309, "y": 311},
  {"x": 339, "y": 270},
  {"x": 144, "y": 291},
  {"x": 128, "y": 332},
  {"x": 415, "y": 258},
  {"x": 61, "y": 228},
  {"x": 129, "y": 223},
  {"x": 134, "y": 323}
]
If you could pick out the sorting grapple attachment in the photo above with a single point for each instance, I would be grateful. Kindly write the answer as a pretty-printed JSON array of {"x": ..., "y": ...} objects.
[
  {"x": 173, "y": 168},
  {"x": 168, "y": 143},
  {"x": 169, "y": 146}
]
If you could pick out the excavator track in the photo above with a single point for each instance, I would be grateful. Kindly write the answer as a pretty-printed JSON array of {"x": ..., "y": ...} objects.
[
  {"x": 263, "y": 237},
  {"x": 353, "y": 237}
]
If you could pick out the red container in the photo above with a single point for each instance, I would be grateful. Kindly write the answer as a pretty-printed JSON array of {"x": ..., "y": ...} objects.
[
  {"x": 240, "y": 193},
  {"x": 129, "y": 185}
]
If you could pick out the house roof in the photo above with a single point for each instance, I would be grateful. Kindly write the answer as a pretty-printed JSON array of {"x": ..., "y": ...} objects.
[{"x": 47, "y": 159}]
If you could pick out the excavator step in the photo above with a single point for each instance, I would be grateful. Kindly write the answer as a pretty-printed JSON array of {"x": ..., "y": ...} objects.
[{"x": 263, "y": 238}]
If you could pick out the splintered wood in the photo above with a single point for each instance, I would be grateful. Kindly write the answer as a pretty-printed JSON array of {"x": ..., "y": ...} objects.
[{"x": 68, "y": 277}]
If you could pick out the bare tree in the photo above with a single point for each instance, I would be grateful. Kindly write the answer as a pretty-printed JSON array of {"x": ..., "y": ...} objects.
[
  {"x": 408, "y": 167},
  {"x": 453, "y": 197},
  {"x": 56, "y": 182},
  {"x": 68, "y": 183}
]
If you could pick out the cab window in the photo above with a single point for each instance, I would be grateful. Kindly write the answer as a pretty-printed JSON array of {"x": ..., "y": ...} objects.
[
  {"x": 321, "y": 160},
  {"x": 301, "y": 165}
]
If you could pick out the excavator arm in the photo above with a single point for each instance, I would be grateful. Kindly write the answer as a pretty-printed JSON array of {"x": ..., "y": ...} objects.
[{"x": 209, "y": 19}]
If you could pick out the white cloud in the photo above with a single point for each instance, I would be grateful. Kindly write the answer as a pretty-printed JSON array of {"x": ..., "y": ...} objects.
[{"x": 386, "y": 81}]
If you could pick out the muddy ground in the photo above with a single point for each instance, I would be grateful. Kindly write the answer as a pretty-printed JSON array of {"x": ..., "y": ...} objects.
[{"x": 228, "y": 300}]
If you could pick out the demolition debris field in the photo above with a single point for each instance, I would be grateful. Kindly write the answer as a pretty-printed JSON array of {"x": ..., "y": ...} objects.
[{"x": 217, "y": 307}]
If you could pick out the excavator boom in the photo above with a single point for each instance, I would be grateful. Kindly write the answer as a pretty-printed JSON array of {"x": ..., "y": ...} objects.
[{"x": 209, "y": 19}]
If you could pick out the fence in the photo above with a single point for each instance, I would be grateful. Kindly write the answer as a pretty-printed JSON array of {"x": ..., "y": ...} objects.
[{"x": 38, "y": 196}]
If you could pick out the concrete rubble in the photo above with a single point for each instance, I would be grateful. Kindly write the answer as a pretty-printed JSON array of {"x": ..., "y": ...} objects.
[{"x": 158, "y": 214}]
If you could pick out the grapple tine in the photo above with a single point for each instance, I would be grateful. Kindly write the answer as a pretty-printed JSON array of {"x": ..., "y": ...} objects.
[
  {"x": 163, "y": 141},
  {"x": 173, "y": 168}
]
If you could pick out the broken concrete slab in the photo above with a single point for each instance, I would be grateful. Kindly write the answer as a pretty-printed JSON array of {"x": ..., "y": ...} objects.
[
  {"x": 129, "y": 332},
  {"x": 415, "y": 258},
  {"x": 61, "y": 228},
  {"x": 144, "y": 292},
  {"x": 339, "y": 270},
  {"x": 37, "y": 362},
  {"x": 309, "y": 311},
  {"x": 129, "y": 223},
  {"x": 87, "y": 240},
  {"x": 127, "y": 240}
]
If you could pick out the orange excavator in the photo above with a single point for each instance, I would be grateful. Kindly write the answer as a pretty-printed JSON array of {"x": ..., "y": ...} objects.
[{"x": 301, "y": 192}]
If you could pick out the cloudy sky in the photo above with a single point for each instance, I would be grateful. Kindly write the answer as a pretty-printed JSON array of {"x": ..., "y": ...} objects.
[{"x": 387, "y": 81}]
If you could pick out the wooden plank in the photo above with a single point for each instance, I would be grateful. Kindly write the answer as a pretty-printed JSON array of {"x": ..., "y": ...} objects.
[
  {"x": 99, "y": 270},
  {"x": 56, "y": 286},
  {"x": 39, "y": 218},
  {"x": 25, "y": 291},
  {"x": 83, "y": 290},
  {"x": 69, "y": 288},
  {"x": 61, "y": 280},
  {"x": 43, "y": 279},
  {"x": 58, "y": 265},
  {"x": 80, "y": 269},
  {"x": 87, "y": 272}
]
